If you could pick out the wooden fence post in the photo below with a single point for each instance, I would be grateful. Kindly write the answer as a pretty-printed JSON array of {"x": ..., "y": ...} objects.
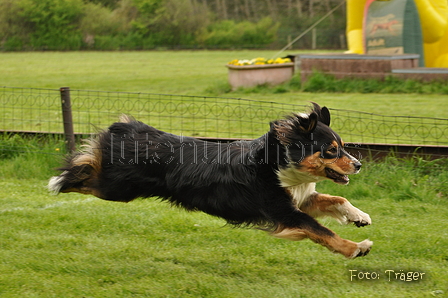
[
  {"x": 67, "y": 119},
  {"x": 313, "y": 38}
]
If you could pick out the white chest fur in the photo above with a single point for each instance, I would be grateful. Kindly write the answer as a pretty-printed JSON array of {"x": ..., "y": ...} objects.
[
  {"x": 300, "y": 193},
  {"x": 301, "y": 185}
]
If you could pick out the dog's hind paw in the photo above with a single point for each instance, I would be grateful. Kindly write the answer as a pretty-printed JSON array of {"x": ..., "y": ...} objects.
[{"x": 363, "y": 248}]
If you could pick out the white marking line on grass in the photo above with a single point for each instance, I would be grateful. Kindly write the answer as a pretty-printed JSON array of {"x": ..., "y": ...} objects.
[{"x": 50, "y": 206}]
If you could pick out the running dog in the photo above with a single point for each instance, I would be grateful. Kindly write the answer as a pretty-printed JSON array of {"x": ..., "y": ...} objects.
[{"x": 268, "y": 183}]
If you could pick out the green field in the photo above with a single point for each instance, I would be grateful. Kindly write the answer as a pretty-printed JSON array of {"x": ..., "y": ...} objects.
[
  {"x": 185, "y": 72},
  {"x": 195, "y": 74},
  {"x": 79, "y": 246}
]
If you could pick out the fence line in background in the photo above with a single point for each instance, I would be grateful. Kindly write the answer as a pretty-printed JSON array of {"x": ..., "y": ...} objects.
[
  {"x": 67, "y": 118},
  {"x": 39, "y": 110}
]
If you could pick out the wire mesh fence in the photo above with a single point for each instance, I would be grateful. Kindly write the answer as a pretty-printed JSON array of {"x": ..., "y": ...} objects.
[
  {"x": 39, "y": 110},
  {"x": 30, "y": 109},
  {"x": 360, "y": 127}
]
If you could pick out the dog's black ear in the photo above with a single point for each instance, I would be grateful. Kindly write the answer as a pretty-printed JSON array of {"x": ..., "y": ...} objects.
[
  {"x": 325, "y": 116},
  {"x": 322, "y": 113},
  {"x": 309, "y": 125}
]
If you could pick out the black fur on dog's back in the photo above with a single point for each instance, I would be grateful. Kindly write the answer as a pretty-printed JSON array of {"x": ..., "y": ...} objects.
[{"x": 221, "y": 179}]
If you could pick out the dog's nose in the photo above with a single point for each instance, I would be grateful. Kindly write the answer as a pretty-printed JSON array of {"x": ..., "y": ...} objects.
[{"x": 357, "y": 165}]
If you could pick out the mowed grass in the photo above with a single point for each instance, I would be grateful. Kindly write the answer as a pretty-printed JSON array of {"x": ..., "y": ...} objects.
[
  {"x": 74, "y": 245},
  {"x": 186, "y": 72},
  {"x": 79, "y": 246}
]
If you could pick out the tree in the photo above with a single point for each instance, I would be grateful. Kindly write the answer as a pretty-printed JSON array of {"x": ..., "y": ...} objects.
[
  {"x": 170, "y": 22},
  {"x": 12, "y": 32},
  {"x": 53, "y": 24},
  {"x": 111, "y": 4}
]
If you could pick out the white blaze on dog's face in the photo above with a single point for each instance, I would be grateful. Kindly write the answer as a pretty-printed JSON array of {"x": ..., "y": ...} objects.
[{"x": 314, "y": 151}]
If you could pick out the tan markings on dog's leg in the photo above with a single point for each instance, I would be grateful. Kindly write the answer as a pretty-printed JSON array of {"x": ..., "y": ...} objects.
[
  {"x": 336, "y": 207},
  {"x": 323, "y": 205},
  {"x": 334, "y": 243},
  {"x": 293, "y": 234},
  {"x": 345, "y": 247}
]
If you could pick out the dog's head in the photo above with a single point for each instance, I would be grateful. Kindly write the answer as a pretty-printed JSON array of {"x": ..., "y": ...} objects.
[{"x": 313, "y": 150}]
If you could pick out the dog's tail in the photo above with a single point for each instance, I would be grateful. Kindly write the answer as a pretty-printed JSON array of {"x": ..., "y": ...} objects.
[
  {"x": 80, "y": 174},
  {"x": 82, "y": 169}
]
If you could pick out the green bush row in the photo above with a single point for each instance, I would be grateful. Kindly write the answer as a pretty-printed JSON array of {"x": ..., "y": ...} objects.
[
  {"x": 131, "y": 24},
  {"x": 319, "y": 82}
]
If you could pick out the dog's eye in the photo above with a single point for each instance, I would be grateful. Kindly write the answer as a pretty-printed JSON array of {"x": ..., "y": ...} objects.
[{"x": 332, "y": 150}]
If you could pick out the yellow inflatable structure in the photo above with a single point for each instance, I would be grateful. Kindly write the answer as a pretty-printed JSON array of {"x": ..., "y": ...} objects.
[{"x": 434, "y": 25}]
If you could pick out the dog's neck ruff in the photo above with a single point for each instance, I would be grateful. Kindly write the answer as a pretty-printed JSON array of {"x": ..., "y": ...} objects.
[
  {"x": 289, "y": 176},
  {"x": 300, "y": 185}
]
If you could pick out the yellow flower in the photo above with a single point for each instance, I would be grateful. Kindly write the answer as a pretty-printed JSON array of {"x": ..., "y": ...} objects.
[{"x": 259, "y": 61}]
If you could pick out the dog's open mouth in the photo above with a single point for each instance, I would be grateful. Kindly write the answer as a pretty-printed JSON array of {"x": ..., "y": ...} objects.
[{"x": 336, "y": 177}]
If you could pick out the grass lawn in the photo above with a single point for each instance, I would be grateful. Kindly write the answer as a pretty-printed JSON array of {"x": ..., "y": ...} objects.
[
  {"x": 185, "y": 72},
  {"x": 79, "y": 246}
]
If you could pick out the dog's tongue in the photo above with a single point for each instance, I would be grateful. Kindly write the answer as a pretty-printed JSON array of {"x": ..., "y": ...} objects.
[
  {"x": 343, "y": 179},
  {"x": 336, "y": 177}
]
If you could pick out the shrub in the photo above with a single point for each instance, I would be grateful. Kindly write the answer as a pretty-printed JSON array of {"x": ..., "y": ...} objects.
[
  {"x": 13, "y": 43},
  {"x": 52, "y": 23},
  {"x": 228, "y": 33},
  {"x": 319, "y": 82},
  {"x": 169, "y": 22},
  {"x": 12, "y": 33},
  {"x": 98, "y": 20}
]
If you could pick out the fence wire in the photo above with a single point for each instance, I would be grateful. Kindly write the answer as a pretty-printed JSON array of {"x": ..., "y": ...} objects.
[{"x": 39, "y": 111}]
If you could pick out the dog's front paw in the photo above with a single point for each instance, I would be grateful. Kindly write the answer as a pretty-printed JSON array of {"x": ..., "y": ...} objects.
[
  {"x": 363, "y": 248},
  {"x": 357, "y": 217}
]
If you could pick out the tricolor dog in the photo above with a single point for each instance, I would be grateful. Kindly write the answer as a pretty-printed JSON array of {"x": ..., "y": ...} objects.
[{"x": 267, "y": 183}]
